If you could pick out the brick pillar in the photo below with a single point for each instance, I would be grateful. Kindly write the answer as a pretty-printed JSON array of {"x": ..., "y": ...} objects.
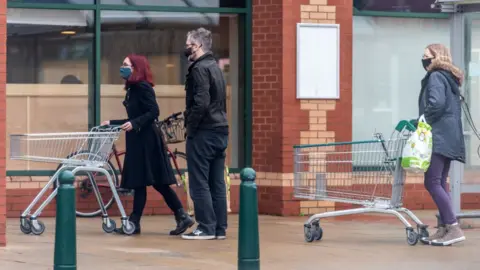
[
  {"x": 3, "y": 113},
  {"x": 280, "y": 121}
]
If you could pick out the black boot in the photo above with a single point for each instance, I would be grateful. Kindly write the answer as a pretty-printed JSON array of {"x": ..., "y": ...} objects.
[
  {"x": 135, "y": 221},
  {"x": 184, "y": 221}
]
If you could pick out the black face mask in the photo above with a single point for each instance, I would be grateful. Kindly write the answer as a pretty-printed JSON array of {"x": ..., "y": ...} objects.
[
  {"x": 188, "y": 51},
  {"x": 426, "y": 63}
]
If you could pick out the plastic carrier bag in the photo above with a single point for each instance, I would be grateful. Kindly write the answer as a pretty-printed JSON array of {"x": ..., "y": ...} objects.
[{"x": 417, "y": 152}]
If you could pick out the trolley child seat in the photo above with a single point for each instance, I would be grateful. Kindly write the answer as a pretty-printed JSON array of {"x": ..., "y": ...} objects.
[
  {"x": 366, "y": 173},
  {"x": 91, "y": 151}
]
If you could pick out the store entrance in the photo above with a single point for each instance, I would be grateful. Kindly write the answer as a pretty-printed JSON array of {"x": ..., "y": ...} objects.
[{"x": 465, "y": 48}]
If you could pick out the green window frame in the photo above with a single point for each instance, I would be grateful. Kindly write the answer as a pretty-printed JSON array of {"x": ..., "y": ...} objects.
[{"x": 94, "y": 109}]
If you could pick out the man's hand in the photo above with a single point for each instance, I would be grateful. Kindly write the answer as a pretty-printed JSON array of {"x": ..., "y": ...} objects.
[
  {"x": 105, "y": 123},
  {"x": 127, "y": 126}
]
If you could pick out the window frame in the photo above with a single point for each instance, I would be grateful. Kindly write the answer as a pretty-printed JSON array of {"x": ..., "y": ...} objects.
[
  {"x": 399, "y": 14},
  {"x": 245, "y": 17}
]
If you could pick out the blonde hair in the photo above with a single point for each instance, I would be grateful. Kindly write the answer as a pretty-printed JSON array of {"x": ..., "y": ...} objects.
[{"x": 442, "y": 59}]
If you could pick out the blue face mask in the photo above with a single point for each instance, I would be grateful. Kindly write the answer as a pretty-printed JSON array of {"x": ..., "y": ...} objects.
[{"x": 125, "y": 72}]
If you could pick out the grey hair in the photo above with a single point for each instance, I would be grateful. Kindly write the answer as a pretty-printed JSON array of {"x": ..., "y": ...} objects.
[{"x": 201, "y": 36}]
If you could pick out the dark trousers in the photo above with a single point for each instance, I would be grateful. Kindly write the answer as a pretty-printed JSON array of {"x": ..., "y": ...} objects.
[
  {"x": 436, "y": 184},
  {"x": 206, "y": 165},
  {"x": 140, "y": 199}
]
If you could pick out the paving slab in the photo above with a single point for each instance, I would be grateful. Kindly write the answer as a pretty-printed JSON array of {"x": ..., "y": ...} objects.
[{"x": 373, "y": 243}]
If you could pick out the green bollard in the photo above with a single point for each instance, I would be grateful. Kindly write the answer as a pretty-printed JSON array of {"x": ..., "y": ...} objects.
[
  {"x": 65, "y": 256},
  {"x": 248, "y": 238}
]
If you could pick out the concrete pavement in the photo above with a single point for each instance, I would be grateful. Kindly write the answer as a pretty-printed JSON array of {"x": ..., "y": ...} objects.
[{"x": 361, "y": 244}]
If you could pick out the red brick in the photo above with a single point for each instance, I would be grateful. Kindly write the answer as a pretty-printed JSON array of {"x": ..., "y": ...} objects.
[{"x": 277, "y": 116}]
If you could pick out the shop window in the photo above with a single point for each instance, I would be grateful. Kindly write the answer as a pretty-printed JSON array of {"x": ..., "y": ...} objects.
[
  {"x": 179, "y": 3},
  {"x": 387, "y": 66},
  {"x": 418, "y": 6},
  {"x": 82, "y": 2},
  {"x": 49, "y": 73},
  {"x": 161, "y": 37}
]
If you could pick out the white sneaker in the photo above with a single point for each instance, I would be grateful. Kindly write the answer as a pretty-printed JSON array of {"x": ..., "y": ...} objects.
[
  {"x": 198, "y": 235},
  {"x": 454, "y": 235}
]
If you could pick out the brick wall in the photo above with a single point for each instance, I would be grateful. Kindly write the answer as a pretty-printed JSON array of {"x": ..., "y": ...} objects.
[
  {"x": 330, "y": 120},
  {"x": 292, "y": 121},
  {"x": 3, "y": 78},
  {"x": 267, "y": 85}
]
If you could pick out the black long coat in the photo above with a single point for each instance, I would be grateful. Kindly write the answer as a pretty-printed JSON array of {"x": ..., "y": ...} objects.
[
  {"x": 440, "y": 102},
  {"x": 146, "y": 161}
]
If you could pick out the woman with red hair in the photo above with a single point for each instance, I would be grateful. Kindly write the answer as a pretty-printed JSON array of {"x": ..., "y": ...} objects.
[{"x": 146, "y": 162}]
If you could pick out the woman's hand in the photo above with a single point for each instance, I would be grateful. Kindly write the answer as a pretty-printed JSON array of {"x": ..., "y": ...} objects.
[
  {"x": 105, "y": 123},
  {"x": 127, "y": 126}
]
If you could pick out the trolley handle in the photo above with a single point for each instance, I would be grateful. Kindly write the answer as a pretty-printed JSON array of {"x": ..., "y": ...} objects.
[
  {"x": 406, "y": 125},
  {"x": 109, "y": 126}
]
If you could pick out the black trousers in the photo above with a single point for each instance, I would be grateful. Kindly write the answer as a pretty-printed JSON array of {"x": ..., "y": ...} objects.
[
  {"x": 140, "y": 199},
  {"x": 206, "y": 165}
]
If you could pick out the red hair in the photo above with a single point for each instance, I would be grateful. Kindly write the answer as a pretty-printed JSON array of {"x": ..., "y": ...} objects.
[{"x": 141, "y": 70}]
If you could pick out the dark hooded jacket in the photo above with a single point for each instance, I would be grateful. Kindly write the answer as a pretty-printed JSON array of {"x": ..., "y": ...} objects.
[{"x": 440, "y": 102}]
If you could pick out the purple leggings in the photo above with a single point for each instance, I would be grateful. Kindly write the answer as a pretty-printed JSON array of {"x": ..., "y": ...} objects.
[{"x": 436, "y": 184}]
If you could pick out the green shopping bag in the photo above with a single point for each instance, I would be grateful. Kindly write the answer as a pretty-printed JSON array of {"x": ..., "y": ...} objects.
[{"x": 417, "y": 152}]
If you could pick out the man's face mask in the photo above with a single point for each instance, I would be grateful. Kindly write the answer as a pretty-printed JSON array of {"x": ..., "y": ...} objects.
[{"x": 188, "y": 51}]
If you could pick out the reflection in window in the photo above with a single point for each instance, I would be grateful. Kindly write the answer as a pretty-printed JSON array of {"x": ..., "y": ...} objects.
[
  {"x": 161, "y": 37},
  {"x": 422, "y": 6},
  {"x": 83, "y": 2},
  {"x": 49, "y": 71},
  {"x": 387, "y": 65},
  {"x": 178, "y": 3},
  {"x": 44, "y": 50}
]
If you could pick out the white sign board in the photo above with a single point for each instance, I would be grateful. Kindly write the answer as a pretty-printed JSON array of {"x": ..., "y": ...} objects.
[{"x": 318, "y": 61}]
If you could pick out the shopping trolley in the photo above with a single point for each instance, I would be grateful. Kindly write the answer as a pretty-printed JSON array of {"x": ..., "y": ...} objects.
[
  {"x": 90, "y": 150},
  {"x": 366, "y": 173}
]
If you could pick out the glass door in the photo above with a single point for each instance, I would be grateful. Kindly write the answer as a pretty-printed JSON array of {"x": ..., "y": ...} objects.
[
  {"x": 472, "y": 90},
  {"x": 466, "y": 179}
]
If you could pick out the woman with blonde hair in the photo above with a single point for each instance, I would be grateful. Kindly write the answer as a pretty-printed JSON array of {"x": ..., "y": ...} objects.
[{"x": 440, "y": 102}]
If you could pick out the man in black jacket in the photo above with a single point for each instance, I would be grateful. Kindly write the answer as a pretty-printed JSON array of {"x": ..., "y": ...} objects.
[{"x": 207, "y": 137}]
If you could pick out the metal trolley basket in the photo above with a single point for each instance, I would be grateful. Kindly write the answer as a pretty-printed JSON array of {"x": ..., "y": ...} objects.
[
  {"x": 366, "y": 173},
  {"x": 91, "y": 152}
]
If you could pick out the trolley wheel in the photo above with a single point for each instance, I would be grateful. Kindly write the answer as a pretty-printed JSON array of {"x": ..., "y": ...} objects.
[
  {"x": 423, "y": 233},
  {"x": 317, "y": 232},
  {"x": 412, "y": 237},
  {"x": 25, "y": 226},
  {"x": 130, "y": 229},
  {"x": 84, "y": 188},
  {"x": 308, "y": 234},
  {"x": 39, "y": 229},
  {"x": 111, "y": 228},
  {"x": 313, "y": 232}
]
